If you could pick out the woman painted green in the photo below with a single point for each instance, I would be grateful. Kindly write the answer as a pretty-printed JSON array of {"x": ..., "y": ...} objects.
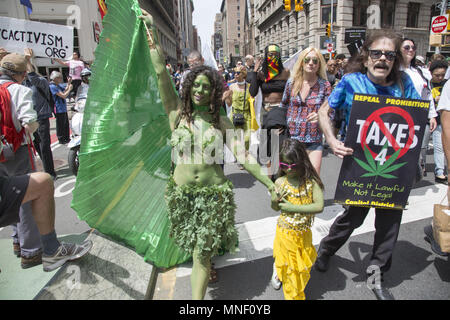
[{"x": 199, "y": 196}]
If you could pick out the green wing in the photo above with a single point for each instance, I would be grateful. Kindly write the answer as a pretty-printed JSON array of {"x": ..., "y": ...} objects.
[{"x": 125, "y": 159}]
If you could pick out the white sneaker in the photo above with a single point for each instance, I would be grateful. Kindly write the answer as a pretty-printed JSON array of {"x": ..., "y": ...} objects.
[
  {"x": 66, "y": 252},
  {"x": 276, "y": 283}
]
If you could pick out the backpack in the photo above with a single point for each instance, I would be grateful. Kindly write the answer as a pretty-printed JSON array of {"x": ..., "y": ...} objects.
[{"x": 10, "y": 138}]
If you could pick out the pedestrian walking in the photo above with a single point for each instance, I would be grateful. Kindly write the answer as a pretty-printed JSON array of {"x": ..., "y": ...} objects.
[
  {"x": 379, "y": 65},
  {"x": 301, "y": 197},
  {"x": 303, "y": 95},
  {"x": 422, "y": 85},
  {"x": 19, "y": 122},
  {"x": 76, "y": 65},
  {"x": 204, "y": 224},
  {"x": 60, "y": 92},
  {"x": 43, "y": 105}
]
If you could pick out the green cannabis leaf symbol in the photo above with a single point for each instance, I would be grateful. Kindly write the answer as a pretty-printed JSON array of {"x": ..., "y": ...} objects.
[{"x": 372, "y": 167}]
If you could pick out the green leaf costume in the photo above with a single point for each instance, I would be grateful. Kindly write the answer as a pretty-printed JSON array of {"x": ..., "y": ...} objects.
[{"x": 125, "y": 157}]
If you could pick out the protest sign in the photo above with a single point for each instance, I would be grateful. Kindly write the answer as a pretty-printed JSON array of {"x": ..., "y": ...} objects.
[
  {"x": 386, "y": 135},
  {"x": 46, "y": 40}
]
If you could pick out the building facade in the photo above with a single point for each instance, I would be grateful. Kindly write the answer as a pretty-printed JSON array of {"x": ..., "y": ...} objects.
[
  {"x": 88, "y": 25},
  {"x": 235, "y": 23},
  {"x": 295, "y": 31}
]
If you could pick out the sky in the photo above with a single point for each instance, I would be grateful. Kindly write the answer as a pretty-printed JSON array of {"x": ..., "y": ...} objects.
[{"x": 203, "y": 17}]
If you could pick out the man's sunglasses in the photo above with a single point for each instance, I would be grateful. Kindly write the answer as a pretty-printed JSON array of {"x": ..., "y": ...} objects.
[
  {"x": 314, "y": 60},
  {"x": 287, "y": 166},
  {"x": 376, "y": 54},
  {"x": 408, "y": 47}
]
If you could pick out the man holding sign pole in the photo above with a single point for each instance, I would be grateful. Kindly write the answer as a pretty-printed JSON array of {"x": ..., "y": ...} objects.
[{"x": 379, "y": 65}]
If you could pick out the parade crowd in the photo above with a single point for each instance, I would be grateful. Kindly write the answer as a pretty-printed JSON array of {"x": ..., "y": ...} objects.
[{"x": 305, "y": 108}]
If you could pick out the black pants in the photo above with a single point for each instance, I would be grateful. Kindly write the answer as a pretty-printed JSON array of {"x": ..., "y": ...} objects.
[
  {"x": 75, "y": 85},
  {"x": 42, "y": 143},
  {"x": 387, "y": 226},
  {"x": 62, "y": 127}
]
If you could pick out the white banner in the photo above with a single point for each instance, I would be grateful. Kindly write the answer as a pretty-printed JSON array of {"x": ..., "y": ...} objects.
[{"x": 46, "y": 40}]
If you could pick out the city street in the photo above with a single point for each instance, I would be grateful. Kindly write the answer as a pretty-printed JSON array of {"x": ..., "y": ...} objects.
[{"x": 417, "y": 273}]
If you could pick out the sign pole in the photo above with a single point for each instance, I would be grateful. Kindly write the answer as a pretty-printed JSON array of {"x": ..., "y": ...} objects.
[{"x": 443, "y": 10}]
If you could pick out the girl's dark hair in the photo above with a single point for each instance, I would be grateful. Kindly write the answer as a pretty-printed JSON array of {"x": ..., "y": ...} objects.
[
  {"x": 438, "y": 64},
  {"x": 296, "y": 152},
  {"x": 216, "y": 93},
  {"x": 356, "y": 64}
]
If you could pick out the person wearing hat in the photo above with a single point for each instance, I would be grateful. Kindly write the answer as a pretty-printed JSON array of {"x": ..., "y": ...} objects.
[{"x": 26, "y": 237}]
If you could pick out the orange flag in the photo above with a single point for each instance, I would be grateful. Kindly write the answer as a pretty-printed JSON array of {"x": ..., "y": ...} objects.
[{"x": 102, "y": 7}]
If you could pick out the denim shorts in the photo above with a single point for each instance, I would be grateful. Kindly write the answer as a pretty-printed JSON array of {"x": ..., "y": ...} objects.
[
  {"x": 12, "y": 192},
  {"x": 313, "y": 146}
]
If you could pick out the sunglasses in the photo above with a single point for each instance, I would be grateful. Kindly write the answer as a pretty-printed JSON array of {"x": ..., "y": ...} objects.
[
  {"x": 376, "y": 54},
  {"x": 287, "y": 166},
  {"x": 408, "y": 47},
  {"x": 314, "y": 60}
]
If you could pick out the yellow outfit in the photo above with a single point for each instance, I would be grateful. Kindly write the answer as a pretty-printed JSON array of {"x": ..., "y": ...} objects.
[{"x": 293, "y": 250}]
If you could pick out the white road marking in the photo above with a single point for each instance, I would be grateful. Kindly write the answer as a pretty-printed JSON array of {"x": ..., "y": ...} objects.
[
  {"x": 59, "y": 190},
  {"x": 256, "y": 237}
]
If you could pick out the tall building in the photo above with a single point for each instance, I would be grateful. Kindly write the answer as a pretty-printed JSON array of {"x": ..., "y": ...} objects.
[
  {"x": 164, "y": 13},
  {"x": 87, "y": 25},
  {"x": 185, "y": 9},
  {"x": 235, "y": 22},
  {"x": 216, "y": 39},
  {"x": 294, "y": 31}
]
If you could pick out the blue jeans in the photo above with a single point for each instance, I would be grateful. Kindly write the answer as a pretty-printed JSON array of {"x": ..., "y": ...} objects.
[{"x": 439, "y": 158}]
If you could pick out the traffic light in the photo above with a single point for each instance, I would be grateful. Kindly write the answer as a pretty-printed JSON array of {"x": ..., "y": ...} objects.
[
  {"x": 287, "y": 5},
  {"x": 298, "y": 5},
  {"x": 328, "y": 30}
]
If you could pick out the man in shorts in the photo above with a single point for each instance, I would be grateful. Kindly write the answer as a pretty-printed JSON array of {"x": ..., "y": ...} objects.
[{"x": 38, "y": 189}]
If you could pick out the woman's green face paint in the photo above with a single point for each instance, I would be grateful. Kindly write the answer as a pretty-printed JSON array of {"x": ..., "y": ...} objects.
[{"x": 201, "y": 91}]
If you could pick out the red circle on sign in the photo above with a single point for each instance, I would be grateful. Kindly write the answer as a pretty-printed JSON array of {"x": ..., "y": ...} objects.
[
  {"x": 376, "y": 117},
  {"x": 439, "y": 24}
]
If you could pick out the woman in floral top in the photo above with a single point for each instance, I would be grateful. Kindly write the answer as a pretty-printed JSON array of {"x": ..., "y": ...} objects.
[{"x": 303, "y": 95}]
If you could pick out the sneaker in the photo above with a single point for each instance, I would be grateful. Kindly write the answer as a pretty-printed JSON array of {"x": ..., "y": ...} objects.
[
  {"x": 16, "y": 249},
  {"x": 66, "y": 252},
  {"x": 276, "y": 283},
  {"x": 31, "y": 262}
]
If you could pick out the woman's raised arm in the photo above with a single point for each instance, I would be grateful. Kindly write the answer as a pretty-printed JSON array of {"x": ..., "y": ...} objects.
[{"x": 167, "y": 91}]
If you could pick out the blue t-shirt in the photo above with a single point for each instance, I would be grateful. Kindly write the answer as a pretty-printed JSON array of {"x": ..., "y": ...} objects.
[
  {"x": 60, "y": 103},
  {"x": 342, "y": 95}
]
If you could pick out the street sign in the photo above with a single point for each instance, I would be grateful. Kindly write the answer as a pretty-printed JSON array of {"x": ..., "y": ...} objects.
[
  {"x": 330, "y": 47},
  {"x": 354, "y": 34},
  {"x": 439, "y": 24}
]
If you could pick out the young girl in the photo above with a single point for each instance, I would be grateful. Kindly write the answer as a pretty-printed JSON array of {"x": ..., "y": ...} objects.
[{"x": 300, "y": 196}]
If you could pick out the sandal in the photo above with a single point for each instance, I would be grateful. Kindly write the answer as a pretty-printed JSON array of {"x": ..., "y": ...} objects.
[{"x": 213, "y": 274}]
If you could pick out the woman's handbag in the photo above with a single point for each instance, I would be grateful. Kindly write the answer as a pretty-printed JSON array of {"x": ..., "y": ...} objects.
[
  {"x": 238, "y": 118},
  {"x": 441, "y": 226}
]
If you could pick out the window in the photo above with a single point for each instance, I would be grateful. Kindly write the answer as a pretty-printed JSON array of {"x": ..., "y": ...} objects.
[
  {"x": 326, "y": 10},
  {"x": 238, "y": 7},
  {"x": 360, "y": 12},
  {"x": 239, "y": 21},
  {"x": 239, "y": 28},
  {"x": 387, "y": 8},
  {"x": 239, "y": 35},
  {"x": 236, "y": 49},
  {"x": 413, "y": 15}
]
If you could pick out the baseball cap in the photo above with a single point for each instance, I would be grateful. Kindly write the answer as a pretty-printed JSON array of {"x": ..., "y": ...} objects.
[
  {"x": 14, "y": 62},
  {"x": 421, "y": 59}
]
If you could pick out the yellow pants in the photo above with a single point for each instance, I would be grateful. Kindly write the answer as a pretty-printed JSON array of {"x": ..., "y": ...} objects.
[{"x": 294, "y": 256}]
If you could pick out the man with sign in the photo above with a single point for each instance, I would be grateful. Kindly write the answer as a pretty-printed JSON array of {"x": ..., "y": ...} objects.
[{"x": 380, "y": 75}]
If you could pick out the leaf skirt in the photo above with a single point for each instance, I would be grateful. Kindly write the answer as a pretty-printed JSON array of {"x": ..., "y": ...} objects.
[{"x": 203, "y": 217}]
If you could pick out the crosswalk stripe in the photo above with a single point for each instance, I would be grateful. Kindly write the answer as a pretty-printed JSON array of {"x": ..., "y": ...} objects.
[{"x": 256, "y": 237}]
